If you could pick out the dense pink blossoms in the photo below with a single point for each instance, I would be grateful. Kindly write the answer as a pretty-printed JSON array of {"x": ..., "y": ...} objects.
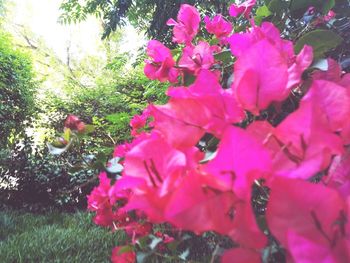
[
  {"x": 161, "y": 67},
  {"x": 218, "y": 26},
  {"x": 168, "y": 178},
  {"x": 242, "y": 9},
  {"x": 187, "y": 24}
]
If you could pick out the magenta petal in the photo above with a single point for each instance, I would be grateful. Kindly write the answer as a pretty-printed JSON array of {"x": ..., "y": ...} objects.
[{"x": 241, "y": 255}]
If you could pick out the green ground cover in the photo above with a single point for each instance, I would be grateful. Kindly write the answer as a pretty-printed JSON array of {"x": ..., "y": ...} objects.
[{"x": 54, "y": 237}]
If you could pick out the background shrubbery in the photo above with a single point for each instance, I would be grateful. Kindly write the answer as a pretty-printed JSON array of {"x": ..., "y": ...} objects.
[{"x": 104, "y": 93}]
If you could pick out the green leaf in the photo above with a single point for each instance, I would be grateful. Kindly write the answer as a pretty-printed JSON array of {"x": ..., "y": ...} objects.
[
  {"x": 263, "y": 11},
  {"x": 225, "y": 56},
  {"x": 89, "y": 129},
  {"x": 125, "y": 249},
  {"x": 142, "y": 242},
  {"x": 172, "y": 246},
  {"x": 300, "y": 6},
  {"x": 321, "y": 40},
  {"x": 214, "y": 41},
  {"x": 66, "y": 134},
  {"x": 304, "y": 4},
  {"x": 76, "y": 168},
  {"x": 277, "y": 6},
  {"x": 189, "y": 80},
  {"x": 328, "y": 5}
]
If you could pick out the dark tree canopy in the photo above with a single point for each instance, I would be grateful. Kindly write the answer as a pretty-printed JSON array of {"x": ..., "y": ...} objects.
[{"x": 149, "y": 15}]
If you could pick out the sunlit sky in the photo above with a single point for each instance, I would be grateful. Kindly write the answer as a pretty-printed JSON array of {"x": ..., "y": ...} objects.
[{"x": 41, "y": 16}]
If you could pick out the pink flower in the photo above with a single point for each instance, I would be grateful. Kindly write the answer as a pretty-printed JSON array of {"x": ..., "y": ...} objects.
[
  {"x": 304, "y": 142},
  {"x": 244, "y": 8},
  {"x": 309, "y": 220},
  {"x": 196, "y": 58},
  {"x": 330, "y": 15},
  {"x": 339, "y": 174},
  {"x": 241, "y": 255},
  {"x": 124, "y": 257},
  {"x": 139, "y": 122},
  {"x": 262, "y": 55},
  {"x": 135, "y": 230},
  {"x": 334, "y": 74},
  {"x": 161, "y": 66},
  {"x": 166, "y": 238},
  {"x": 99, "y": 201},
  {"x": 218, "y": 26},
  {"x": 74, "y": 123},
  {"x": 187, "y": 24},
  {"x": 98, "y": 198},
  {"x": 240, "y": 159},
  {"x": 151, "y": 175},
  {"x": 191, "y": 111},
  {"x": 214, "y": 100},
  {"x": 198, "y": 205}
]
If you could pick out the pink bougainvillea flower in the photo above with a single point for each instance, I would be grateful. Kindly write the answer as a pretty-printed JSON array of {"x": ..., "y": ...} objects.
[
  {"x": 330, "y": 15},
  {"x": 181, "y": 121},
  {"x": 218, "y": 26},
  {"x": 161, "y": 67},
  {"x": 198, "y": 205},
  {"x": 122, "y": 149},
  {"x": 333, "y": 99},
  {"x": 309, "y": 220},
  {"x": 335, "y": 74},
  {"x": 339, "y": 174},
  {"x": 241, "y": 42},
  {"x": 260, "y": 59},
  {"x": 139, "y": 122},
  {"x": 240, "y": 159},
  {"x": 99, "y": 198},
  {"x": 187, "y": 24},
  {"x": 99, "y": 202},
  {"x": 135, "y": 230},
  {"x": 151, "y": 175},
  {"x": 204, "y": 106},
  {"x": 241, "y": 255},
  {"x": 119, "y": 256},
  {"x": 244, "y": 8},
  {"x": 324, "y": 19},
  {"x": 196, "y": 58},
  {"x": 304, "y": 142},
  {"x": 74, "y": 123},
  {"x": 166, "y": 238}
]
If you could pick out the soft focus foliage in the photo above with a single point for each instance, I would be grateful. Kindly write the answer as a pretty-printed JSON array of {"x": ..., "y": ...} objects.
[{"x": 17, "y": 89}]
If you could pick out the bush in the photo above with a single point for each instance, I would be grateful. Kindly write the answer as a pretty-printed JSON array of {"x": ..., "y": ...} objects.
[{"x": 17, "y": 88}]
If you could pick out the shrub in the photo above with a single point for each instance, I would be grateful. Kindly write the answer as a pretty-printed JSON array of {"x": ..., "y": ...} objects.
[{"x": 17, "y": 88}]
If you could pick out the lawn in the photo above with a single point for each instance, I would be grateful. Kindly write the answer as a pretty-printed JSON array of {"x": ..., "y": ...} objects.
[{"x": 54, "y": 237}]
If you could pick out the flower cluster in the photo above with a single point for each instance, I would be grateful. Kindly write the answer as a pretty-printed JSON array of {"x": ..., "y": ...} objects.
[{"x": 168, "y": 177}]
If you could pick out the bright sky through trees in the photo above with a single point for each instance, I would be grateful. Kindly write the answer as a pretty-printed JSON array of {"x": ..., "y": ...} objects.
[{"x": 41, "y": 16}]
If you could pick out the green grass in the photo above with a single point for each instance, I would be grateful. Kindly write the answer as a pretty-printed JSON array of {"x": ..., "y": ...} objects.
[{"x": 54, "y": 237}]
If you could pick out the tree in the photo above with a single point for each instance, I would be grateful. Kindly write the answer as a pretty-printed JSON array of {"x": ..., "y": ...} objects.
[{"x": 148, "y": 15}]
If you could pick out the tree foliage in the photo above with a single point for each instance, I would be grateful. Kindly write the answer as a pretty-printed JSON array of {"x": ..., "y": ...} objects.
[
  {"x": 17, "y": 88},
  {"x": 148, "y": 15}
]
